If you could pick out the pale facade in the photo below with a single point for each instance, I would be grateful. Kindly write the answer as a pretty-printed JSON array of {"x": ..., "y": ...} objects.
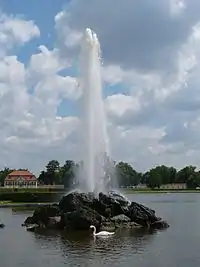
[
  {"x": 21, "y": 179},
  {"x": 174, "y": 186}
]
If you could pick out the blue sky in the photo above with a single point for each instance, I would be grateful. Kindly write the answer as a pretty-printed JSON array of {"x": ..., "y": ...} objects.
[
  {"x": 150, "y": 78},
  {"x": 43, "y": 14}
]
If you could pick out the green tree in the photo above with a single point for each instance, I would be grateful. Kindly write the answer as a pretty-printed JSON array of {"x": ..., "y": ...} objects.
[
  {"x": 193, "y": 181},
  {"x": 127, "y": 176},
  {"x": 44, "y": 178},
  {"x": 3, "y": 175},
  {"x": 51, "y": 175},
  {"x": 52, "y": 166},
  {"x": 168, "y": 174},
  {"x": 153, "y": 178},
  {"x": 53, "y": 171},
  {"x": 190, "y": 176},
  {"x": 67, "y": 173},
  {"x": 158, "y": 176},
  {"x": 185, "y": 174}
]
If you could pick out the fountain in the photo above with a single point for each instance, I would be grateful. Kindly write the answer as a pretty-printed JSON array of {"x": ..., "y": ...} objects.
[
  {"x": 95, "y": 204},
  {"x": 95, "y": 147}
]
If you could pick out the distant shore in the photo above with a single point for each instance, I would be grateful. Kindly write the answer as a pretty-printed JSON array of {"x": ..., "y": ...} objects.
[
  {"x": 33, "y": 199},
  {"x": 6, "y": 204},
  {"x": 156, "y": 191}
]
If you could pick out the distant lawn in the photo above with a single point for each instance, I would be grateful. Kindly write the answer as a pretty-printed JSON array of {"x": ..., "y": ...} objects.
[
  {"x": 20, "y": 206},
  {"x": 30, "y": 196},
  {"x": 31, "y": 190},
  {"x": 61, "y": 191},
  {"x": 153, "y": 191}
]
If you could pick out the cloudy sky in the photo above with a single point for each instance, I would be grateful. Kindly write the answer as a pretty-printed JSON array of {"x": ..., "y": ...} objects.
[{"x": 150, "y": 72}]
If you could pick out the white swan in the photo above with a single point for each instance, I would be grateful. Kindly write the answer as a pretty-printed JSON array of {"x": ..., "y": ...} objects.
[{"x": 102, "y": 233}]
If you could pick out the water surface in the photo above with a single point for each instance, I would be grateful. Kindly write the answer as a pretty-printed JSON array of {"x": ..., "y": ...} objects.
[{"x": 174, "y": 247}]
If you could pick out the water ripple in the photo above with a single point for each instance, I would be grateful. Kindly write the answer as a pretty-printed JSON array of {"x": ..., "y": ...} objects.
[{"x": 177, "y": 246}]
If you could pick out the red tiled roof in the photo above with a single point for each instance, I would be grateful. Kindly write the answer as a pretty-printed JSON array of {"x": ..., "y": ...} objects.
[
  {"x": 16, "y": 174},
  {"x": 21, "y": 173}
]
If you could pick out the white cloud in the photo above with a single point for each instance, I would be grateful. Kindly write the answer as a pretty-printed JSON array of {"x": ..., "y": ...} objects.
[
  {"x": 113, "y": 74},
  {"x": 171, "y": 103},
  {"x": 155, "y": 120},
  {"x": 68, "y": 37},
  {"x": 177, "y": 7},
  {"x": 138, "y": 145},
  {"x": 15, "y": 31},
  {"x": 29, "y": 100},
  {"x": 119, "y": 104},
  {"x": 147, "y": 37},
  {"x": 49, "y": 92},
  {"x": 45, "y": 63},
  {"x": 11, "y": 71}
]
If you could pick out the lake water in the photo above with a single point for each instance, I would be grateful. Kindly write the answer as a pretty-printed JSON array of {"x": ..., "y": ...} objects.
[{"x": 174, "y": 247}]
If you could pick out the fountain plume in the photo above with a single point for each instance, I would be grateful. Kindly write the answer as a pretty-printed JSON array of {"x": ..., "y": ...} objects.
[{"x": 95, "y": 144}]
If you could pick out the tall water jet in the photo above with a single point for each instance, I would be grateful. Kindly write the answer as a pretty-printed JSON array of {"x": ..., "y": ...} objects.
[
  {"x": 109, "y": 210},
  {"x": 95, "y": 149}
]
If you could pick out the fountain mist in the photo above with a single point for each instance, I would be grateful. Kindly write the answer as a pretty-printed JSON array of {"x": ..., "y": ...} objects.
[{"x": 95, "y": 139}]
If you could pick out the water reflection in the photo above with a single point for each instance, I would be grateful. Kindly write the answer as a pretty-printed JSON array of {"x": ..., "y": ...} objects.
[
  {"x": 177, "y": 246},
  {"x": 83, "y": 247},
  {"x": 22, "y": 211}
]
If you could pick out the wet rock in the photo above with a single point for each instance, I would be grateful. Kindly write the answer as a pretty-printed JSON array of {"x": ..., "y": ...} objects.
[
  {"x": 160, "y": 225},
  {"x": 117, "y": 204},
  {"x": 2, "y": 225},
  {"x": 120, "y": 219},
  {"x": 32, "y": 227},
  {"x": 43, "y": 216},
  {"x": 101, "y": 208},
  {"x": 54, "y": 222},
  {"x": 135, "y": 225},
  {"x": 108, "y": 226},
  {"x": 119, "y": 198},
  {"x": 142, "y": 215},
  {"x": 73, "y": 201},
  {"x": 29, "y": 220},
  {"x": 82, "y": 218},
  {"x": 43, "y": 213},
  {"x": 77, "y": 211}
]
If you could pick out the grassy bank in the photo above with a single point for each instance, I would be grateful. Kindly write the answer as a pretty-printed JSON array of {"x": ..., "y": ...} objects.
[
  {"x": 35, "y": 196},
  {"x": 23, "y": 206},
  {"x": 31, "y": 190},
  {"x": 154, "y": 191},
  {"x": 30, "y": 197}
]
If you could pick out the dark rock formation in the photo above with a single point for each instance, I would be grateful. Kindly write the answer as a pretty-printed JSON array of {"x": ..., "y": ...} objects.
[
  {"x": 44, "y": 215},
  {"x": 77, "y": 211},
  {"x": 141, "y": 214},
  {"x": 2, "y": 225}
]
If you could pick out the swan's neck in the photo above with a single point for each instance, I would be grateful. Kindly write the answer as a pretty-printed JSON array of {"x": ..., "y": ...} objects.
[{"x": 94, "y": 232}]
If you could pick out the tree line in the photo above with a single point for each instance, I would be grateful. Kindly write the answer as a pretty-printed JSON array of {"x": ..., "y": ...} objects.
[{"x": 57, "y": 174}]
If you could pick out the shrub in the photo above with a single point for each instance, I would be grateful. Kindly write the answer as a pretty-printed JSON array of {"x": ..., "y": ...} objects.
[{"x": 25, "y": 197}]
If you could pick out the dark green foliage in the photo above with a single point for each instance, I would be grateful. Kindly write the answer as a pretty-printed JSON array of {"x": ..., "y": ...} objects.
[
  {"x": 3, "y": 174},
  {"x": 67, "y": 173},
  {"x": 56, "y": 174},
  {"x": 51, "y": 175},
  {"x": 158, "y": 176},
  {"x": 127, "y": 175},
  {"x": 28, "y": 197}
]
